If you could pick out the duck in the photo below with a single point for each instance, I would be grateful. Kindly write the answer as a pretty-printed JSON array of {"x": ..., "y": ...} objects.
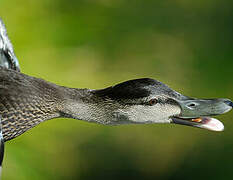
[{"x": 26, "y": 101}]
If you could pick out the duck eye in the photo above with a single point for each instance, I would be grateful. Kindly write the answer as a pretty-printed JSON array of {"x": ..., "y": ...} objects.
[{"x": 153, "y": 102}]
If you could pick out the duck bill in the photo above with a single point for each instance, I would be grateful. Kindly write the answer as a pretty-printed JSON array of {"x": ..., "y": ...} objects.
[{"x": 196, "y": 112}]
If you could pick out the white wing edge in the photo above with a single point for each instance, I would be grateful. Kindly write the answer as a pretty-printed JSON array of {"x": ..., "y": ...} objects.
[{"x": 7, "y": 55}]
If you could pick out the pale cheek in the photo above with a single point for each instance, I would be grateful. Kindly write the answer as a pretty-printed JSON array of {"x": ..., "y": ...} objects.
[{"x": 154, "y": 114}]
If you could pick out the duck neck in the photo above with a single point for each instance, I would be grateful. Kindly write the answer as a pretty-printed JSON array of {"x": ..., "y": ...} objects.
[
  {"x": 82, "y": 104},
  {"x": 76, "y": 103}
]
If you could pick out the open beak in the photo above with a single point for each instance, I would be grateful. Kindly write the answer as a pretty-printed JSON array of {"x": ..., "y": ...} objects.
[{"x": 196, "y": 112}]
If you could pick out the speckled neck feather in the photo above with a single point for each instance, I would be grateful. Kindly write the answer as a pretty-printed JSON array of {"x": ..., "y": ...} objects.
[{"x": 26, "y": 101}]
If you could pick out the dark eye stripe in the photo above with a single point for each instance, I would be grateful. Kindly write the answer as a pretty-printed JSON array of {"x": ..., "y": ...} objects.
[
  {"x": 157, "y": 101},
  {"x": 171, "y": 102}
]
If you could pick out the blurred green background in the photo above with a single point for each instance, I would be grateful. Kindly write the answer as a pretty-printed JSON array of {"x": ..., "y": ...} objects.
[{"x": 97, "y": 43}]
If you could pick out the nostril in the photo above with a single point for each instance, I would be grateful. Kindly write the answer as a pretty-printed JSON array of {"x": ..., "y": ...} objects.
[
  {"x": 229, "y": 103},
  {"x": 192, "y": 105}
]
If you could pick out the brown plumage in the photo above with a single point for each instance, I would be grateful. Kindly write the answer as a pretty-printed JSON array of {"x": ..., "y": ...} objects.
[{"x": 25, "y": 102}]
